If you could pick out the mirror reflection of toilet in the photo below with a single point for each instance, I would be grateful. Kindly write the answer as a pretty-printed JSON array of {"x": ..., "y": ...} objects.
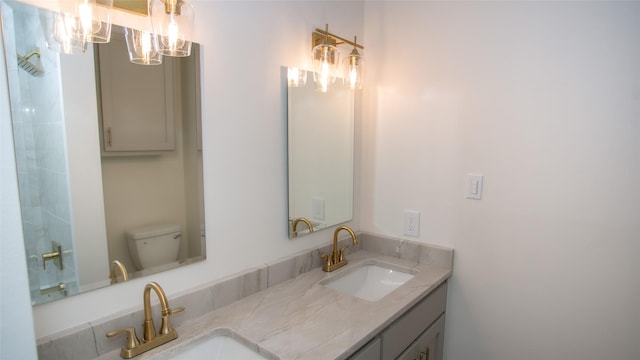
[{"x": 154, "y": 245}]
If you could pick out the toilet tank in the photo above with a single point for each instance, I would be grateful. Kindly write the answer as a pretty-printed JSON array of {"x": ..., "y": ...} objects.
[{"x": 154, "y": 245}]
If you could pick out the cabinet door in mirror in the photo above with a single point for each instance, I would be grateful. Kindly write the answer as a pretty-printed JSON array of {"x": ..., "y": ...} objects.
[
  {"x": 320, "y": 149},
  {"x": 86, "y": 217}
]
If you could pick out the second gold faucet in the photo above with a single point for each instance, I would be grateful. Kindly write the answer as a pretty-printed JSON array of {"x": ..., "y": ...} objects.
[
  {"x": 336, "y": 259},
  {"x": 150, "y": 338}
]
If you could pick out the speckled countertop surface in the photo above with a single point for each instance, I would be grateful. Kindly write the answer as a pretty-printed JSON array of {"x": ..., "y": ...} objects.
[{"x": 302, "y": 319}]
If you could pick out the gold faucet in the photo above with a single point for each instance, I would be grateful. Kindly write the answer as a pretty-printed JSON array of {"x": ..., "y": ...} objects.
[
  {"x": 294, "y": 225},
  {"x": 150, "y": 339},
  {"x": 336, "y": 259},
  {"x": 113, "y": 276}
]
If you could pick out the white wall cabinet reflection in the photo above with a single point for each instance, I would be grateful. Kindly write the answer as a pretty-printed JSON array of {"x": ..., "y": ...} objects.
[{"x": 137, "y": 116}]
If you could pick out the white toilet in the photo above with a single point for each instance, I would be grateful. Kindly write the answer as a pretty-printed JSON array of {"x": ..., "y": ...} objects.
[{"x": 154, "y": 245}]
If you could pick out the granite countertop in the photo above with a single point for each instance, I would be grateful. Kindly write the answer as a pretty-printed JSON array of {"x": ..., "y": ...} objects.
[{"x": 301, "y": 319}]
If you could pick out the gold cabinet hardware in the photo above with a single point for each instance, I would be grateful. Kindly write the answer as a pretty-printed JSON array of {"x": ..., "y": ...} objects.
[
  {"x": 424, "y": 355},
  {"x": 54, "y": 255}
]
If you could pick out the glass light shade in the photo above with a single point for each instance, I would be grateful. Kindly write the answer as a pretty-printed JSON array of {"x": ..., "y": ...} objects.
[
  {"x": 353, "y": 70},
  {"x": 172, "y": 22},
  {"x": 326, "y": 59},
  {"x": 143, "y": 47},
  {"x": 93, "y": 20},
  {"x": 58, "y": 29},
  {"x": 296, "y": 77}
]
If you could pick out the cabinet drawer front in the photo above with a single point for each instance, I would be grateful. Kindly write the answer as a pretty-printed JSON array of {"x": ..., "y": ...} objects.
[
  {"x": 429, "y": 345},
  {"x": 406, "y": 329}
]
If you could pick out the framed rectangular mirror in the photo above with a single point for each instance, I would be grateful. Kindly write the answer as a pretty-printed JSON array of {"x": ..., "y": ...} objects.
[
  {"x": 84, "y": 213},
  {"x": 320, "y": 156}
]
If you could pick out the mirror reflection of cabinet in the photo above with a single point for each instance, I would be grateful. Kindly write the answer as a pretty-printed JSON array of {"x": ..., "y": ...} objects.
[{"x": 136, "y": 116}]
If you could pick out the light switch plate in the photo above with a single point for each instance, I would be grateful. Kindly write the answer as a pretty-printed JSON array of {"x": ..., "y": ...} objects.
[
  {"x": 474, "y": 186},
  {"x": 317, "y": 208}
]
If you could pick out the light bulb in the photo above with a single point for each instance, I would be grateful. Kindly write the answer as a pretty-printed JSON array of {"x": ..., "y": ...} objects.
[
  {"x": 86, "y": 20},
  {"x": 173, "y": 33},
  {"x": 353, "y": 70},
  {"x": 93, "y": 22},
  {"x": 172, "y": 22},
  {"x": 145, "y": 40}
]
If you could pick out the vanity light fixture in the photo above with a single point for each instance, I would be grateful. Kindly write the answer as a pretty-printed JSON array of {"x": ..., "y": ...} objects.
[
  {"x": 172, "y": 22},
  {"x": 325, "y": 57},
  {"x": 59, "y": 30},
  {"x": 93, "y": 21},
  {"x": 143, "y": 47},
  {"x": 353, "y": 67}
]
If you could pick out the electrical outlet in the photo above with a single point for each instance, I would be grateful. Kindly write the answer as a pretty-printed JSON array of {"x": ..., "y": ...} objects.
[{"x": 412, "y": 223}]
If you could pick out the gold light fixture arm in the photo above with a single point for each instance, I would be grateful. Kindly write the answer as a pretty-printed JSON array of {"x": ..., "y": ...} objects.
[{"x": 319, "y": 35}]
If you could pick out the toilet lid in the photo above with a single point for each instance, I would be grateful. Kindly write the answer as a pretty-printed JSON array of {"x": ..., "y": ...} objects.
[{"x": 148, "y": 231}]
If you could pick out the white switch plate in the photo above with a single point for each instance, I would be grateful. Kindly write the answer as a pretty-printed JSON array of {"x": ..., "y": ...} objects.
[
  {"x": 412, "y": 223},
  {"x": 317, "y": 208},
  {"x": 474, "y": 186}
]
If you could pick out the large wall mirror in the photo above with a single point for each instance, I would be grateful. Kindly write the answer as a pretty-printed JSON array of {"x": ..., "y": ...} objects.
[
  {"x": 320, "y": 151},
  {"x": 108, "y": 156}
]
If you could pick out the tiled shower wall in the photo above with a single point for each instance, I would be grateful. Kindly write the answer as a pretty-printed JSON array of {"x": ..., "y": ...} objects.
[{"x": 39, "y": 137}]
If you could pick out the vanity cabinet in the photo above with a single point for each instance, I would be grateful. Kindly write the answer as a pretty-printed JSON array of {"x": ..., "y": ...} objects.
[
  {"x": 371, "y": 351},
  {"x": 427, "y": 346},
  {"x": 137, "y": 103},
  {"x": 419, "y": 330}
]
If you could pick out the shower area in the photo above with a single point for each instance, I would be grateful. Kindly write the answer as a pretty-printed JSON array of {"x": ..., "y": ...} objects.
[{"x": 41, "y": 154}]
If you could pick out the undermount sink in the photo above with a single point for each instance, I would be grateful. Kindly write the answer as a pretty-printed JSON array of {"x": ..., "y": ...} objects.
[
  {"x": 370, "y": 281},
  {"x": 220, "y": 345}
]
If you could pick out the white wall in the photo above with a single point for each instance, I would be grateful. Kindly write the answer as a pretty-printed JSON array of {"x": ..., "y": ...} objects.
[
  {"x": 543, "y": 99},
  {"x": 244, "y": 44},
  {"x": 17, "y": 337}
]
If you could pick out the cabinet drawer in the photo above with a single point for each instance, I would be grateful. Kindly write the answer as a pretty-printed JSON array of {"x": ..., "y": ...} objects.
[
  {"x": 429, "y": 345},
  {"x": 399, "y": 335}
]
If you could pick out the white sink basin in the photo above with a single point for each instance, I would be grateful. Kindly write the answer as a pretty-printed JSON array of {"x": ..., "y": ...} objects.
[
  {"x": 370, "y": 281},
  {"x": 220, "y": 346}
]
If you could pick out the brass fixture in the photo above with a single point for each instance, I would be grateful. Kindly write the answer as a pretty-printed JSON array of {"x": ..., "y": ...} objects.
[
  {"x": 136, "y": 6},
  {"x": 60, "y": 287},
  {"x": 319, "y": 35},
  {"x": 150, "y": 339},
  {"x": 325, "y": 57},
  {"x": 113, "y": 276},
  {"x": 336, "y": 259},
  {"x": 93, "y": 21},
  {"x": 27, "y": 65},
  {"x": 172, "y": 22},
  {"x": 55, "y": 255},
  {"x": 294, "y": 225}
]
